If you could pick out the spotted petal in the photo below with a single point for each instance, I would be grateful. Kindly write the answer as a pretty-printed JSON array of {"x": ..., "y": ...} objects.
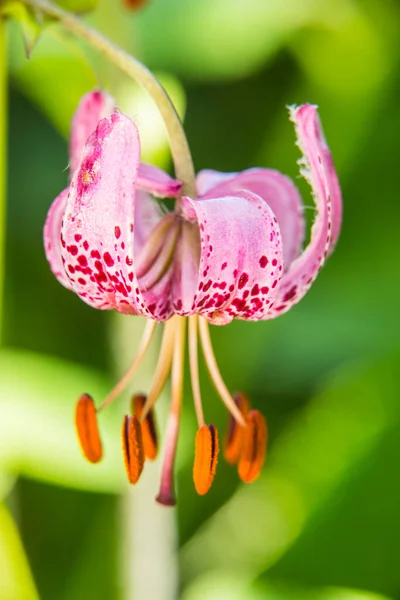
[
  {"x": 276, "y": 189},
  {"x": 97, "y": 235},
  {"x": 317, "y": 167},
  {"x": 51, "y": 233},
  {"x": 93, "y": 106},
  {"x": 240, "y": 260}
]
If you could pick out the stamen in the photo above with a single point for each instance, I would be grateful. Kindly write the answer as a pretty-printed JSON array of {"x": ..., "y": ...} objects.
[
  {"x": 164, "y": 259},
  {"x": 153, "y": 245},
  {"x": 163, "y": 365},
  {"x": 254, "y": 447},
  {"x": 132, "y": 446},
  {"x": 143, "y": 347},
  {"x": 166, "y": 495},
  {"x": 205, "y": 458},
  {"x": 148, "y": 426},
  {"x": 235, "y": 434},
  {"x": 194, "y": 369},
  {"x": 215, "y": 373},
  {"x": 87, "y": 429}
]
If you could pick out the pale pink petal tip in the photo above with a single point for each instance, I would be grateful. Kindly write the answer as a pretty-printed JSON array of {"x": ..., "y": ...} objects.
[
  {"x": 93, "y": 106},
  {"x": 316, "y": 166},
  {"x": 157, "y": 182}
]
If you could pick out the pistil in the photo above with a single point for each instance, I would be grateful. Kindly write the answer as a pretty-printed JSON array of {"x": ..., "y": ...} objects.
[{"x": 166, "y": 494}]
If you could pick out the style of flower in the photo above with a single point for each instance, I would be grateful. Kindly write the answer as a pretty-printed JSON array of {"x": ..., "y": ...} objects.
[{"x": 233, "y": 252}]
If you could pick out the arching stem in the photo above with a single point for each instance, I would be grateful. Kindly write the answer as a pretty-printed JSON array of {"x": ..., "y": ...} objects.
[{"x": 180, "y": 151}]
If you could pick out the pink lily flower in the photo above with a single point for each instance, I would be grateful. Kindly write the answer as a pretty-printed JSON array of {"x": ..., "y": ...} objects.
[{"x": 234, "y": 251}]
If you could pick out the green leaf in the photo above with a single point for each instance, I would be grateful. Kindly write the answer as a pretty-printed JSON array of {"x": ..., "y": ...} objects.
[{"x": 16, "y": 580}]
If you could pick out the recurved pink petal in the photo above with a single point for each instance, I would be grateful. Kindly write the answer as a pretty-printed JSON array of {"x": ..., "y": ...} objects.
[
  {"x": 276, "y": 189},
  {"x": 93, "y": 106},
  {"x": 317, "y": 167},
  {"x": 99, "y": 222},
  {"x": 51, "y": 236},
  {"x": 240, "y": 260},
  {"x": 157, "y": 182}
]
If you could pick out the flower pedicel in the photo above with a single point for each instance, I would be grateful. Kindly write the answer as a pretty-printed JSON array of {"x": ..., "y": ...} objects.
[{"x": 232, "y": 252}]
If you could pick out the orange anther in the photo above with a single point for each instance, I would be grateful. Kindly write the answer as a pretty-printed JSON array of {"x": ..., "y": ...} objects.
[
  {"x": 205, "y": 458},
  {"x": 234, "y": 437},
  {"x": 254, "y": 447},
  {"x": 132, "y": 446},
  {"x": 87, "y": 429},
  {"x": 149, "y": 429}
]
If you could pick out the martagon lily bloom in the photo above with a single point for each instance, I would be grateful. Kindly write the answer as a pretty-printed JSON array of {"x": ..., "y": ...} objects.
[{"x": 232, "y": 252}]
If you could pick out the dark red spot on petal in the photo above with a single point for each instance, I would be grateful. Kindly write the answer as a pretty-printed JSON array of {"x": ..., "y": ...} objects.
[
  {"x": 82, "y": 260},
  {"x": 243, "y": 280},
  {"x": 263, "y": 262},
  {"x": 108, "y": 260},
  {"x": 290, "y": 294}
]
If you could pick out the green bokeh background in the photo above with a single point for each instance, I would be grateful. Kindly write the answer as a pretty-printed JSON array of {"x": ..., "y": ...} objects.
[{"x": 322, "y": 522}]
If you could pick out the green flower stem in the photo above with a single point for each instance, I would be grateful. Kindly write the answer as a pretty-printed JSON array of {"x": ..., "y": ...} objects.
[
  {"x": 3, "y": 161},
  {"x": 184, "y": 170}
]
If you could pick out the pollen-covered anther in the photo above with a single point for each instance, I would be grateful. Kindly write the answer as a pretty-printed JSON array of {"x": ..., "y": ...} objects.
[
  {"x": 87, "y": 429},
  {"x": 132, "y": 446},
  {"x": 254, "y": 447},
  {"x": 148, "y": 426},
  {"x": 235, "y": 434},
  {"x": 205, "y": 458}
]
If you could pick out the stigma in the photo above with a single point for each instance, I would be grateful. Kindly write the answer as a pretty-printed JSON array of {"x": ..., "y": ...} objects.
[{"x": 244, "y": 444}]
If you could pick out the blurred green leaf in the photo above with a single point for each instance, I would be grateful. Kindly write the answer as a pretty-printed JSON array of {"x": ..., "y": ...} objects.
[
  {"x": 215, "y": 39},
  {"x": 78, "y": 6},
  {"x": 71, "y": 537},
  {"x": 37, "y": 434},
  {"x": 15, "y": 578},
  {"x": 347, "y": 435},
  {"x": 220, "y": 585},
  {"x": 26, "y": 19},
  {"x": 55, "y": 77}
]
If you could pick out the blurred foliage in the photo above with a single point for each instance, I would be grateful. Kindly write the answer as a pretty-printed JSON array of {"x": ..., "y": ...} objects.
[{"x": 322, "y": 522}]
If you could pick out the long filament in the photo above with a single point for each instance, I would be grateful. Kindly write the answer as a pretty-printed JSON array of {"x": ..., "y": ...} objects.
[
  {"x": 163, "y": 367},
  {"x": 166, "y": 495},
  {"x": 194, "y": 369},
  {"x": 123, "y": 382},
  {"x": 215, "y": 372}
]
